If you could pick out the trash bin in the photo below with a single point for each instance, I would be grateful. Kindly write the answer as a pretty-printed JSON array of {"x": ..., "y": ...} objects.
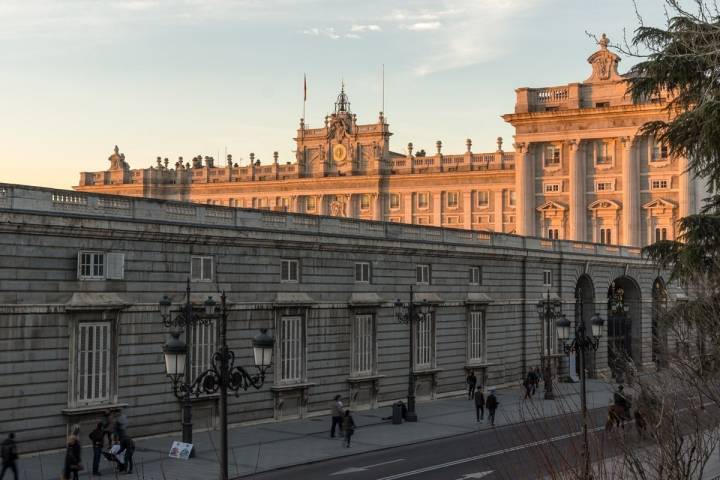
[{"x": 397, "y": 413}]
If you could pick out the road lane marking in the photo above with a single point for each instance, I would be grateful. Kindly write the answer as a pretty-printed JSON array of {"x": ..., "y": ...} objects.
[
  {"x": 366, "y": 467},
  {"x": 488, "y": 455},
  {"x": 468, "y": 476}
]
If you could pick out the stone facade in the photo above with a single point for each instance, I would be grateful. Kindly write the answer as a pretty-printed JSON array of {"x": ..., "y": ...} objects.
[
  {"x": 581, "y": 170},
  {"x": 81, "y": 275}
]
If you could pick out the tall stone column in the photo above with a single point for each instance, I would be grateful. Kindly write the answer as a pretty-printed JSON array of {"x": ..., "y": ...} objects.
[
  {"x": 378, "y": 213},
  {"x": 407, "y": 205},
  {"x": 437, "y": 208},
  {"x": 524, "y": 190},
  {"x": 576, "y": 161},
  {"x": 498, "y": 210},
  {"x": 630, "y": 194},
  {"x": 685, "y": 191},
  {"x": 467, "y": 210}
]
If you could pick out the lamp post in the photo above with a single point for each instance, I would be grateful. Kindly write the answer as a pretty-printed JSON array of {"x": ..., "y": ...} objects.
[
  {"x": 548, "y": 310},
  {"x": 409, "y": 313},
  {"x": 223, "y": 374},
  {"x": 581, "y": 344}
]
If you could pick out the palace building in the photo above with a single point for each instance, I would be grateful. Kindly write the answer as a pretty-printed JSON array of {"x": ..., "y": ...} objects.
[{"x": 580, "y": 170}]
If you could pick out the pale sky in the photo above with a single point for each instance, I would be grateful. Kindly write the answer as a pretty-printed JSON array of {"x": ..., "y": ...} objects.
[{"x": 186, "y": 77}]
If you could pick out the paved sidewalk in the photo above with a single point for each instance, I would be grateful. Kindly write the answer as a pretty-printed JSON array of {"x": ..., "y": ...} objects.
[{"x": 280, "y": 444}]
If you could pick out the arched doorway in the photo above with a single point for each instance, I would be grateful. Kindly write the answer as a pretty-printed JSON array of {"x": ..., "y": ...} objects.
[
  {"x": 659, "y": 333},
  {"x": 624, "y": 319},
  {"x": 584, "y": 310}
]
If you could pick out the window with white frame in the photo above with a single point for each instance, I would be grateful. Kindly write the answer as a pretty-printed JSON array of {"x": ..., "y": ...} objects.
[
  {"x": 547, "y": 278},
  {"x": 511, "y": 198},
  {"x": 606, "y": 236},
  {"x": 203, "y": 343},
  {"x": 423, "y": 200},
  {"x": 424, "y": 346},
  {"x": 422, "y": 274},
  {"x": 476, "y": 337},
  {"x": 283, "y": 203},
  {"x": 661, "y": 233},
  {"x": 310, "y": 204},
  {"x": 660, "y": 152},
  {"x": 452, "y": 199},
  {"x": 363, "y": 345},
  {"x": 552, "y": 187},
  {"x": 553, "y": 233},
  {"x": 365, "y": 202},
  {"x": 289, "y": 271},
  {"x": 475, "y": 276},
  {"x": 552, "y": 155},
  {"x": 659, "y": 184},
  {"x": 605, "y": 185},
  {"x": 362, "y": 272},
  {"x": 394, "y": 201},
  {"x": 201, "y": 268},
  {"x": 94, "y": 364},
  {"x": 291, "y": 349},
  {"x": 483, "y": 198},
  {"x": 604, "y": 153},
  {"x": 100, "y": 265}
]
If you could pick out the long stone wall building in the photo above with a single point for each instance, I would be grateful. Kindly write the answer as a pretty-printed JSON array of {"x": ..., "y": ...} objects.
[
  {"x": 580, "y": 170},
  {"x": 81, "y": 275}
]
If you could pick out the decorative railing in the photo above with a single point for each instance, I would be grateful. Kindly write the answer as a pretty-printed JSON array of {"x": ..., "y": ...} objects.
[{"x": 550, "y": 95}]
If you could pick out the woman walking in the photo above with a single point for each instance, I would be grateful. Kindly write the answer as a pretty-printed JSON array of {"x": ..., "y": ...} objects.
[
  {"x": 73, "y": 463},
  {"x": 348, "y": 425}
]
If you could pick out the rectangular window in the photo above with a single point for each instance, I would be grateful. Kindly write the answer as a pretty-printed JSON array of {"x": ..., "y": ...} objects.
[
  {"x": 511, "y": 198},
  {"x": 476, "y": 337},
  {"x": 660, "y": 152},
  {"x": 603, "y": 154},
  {"x": 552, "y": 155},
  {"x": 605, "y": 186},
  {"x": 602, "y": 104},
  {"x": 424, "y": 344},
  {"x": 606, "y": 236},
  {"x": 91, "y": 266},
  {"x": 310, "y": 204},
  {"x": 423, "y": 200},
  {"x": 483, "y": 199},
  {"x": 94, "y": 363},
  {"x": 452, "y": 199},
  {"x": 201, "y": 269},
  {"x": 394, "y": 201},
  {"x": 475, "y": 276},
  {"x": 364, "y": 202},
  {"x": 422, "y": 274},
  {"x": 363, "y": 345},
  {"x": 552, "y": 188},
  {"x": 289, "y": 271},
  {"x": 203, "y": 343},
  {"x": 547, "y": 278},
  {"x": 553, "y": 233},
  {"x": 362, "y": 272},
  {"x": 291, "y": 349},
  {"x": 659, "y": 184},
  {"x": 661, "y": 234}
]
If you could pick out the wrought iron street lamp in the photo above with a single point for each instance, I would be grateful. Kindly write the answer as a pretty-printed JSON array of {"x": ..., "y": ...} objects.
[
  {"x": 409, "y": 313},
  {"x": 581, "y": 344},
  {"x": 549, "y": 310},
  {"x": 223, "y": 374}
]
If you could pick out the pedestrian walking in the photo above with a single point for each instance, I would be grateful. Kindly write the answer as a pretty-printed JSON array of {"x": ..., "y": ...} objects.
[
  {"x": 471, "y": 381},
  {"x": 73, "y": 461},
  {"x": 479, "y": 404},
  {"x": 108, "y": 426},
  {"x": 121, "y": 424},
  {"x": 491, "y": 404},
  {"x": 97, "y": 437},
  {"x": 127, "y": 447},
  {"x": 336, "y": 410},
  {"x": 529, "y": 384},
  {"x": 8, "y": 452},
  {"x": 536, "y": 378},
  {"x": 348, "y": 426}
]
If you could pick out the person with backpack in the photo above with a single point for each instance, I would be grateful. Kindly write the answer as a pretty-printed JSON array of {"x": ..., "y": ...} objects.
[
  {"x": 479, "y": 404},
  {"x": 97, "y": 437},
  {"x": 348, "y": 426},
  {"x": 491, "y": 404},
  {"x": 8, "y": 451}
]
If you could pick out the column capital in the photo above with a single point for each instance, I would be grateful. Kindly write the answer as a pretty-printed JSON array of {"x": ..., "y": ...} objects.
[
  {"x": 627, "y": 141},
  {"x": 574, "y": 144},
  {"x": 521, "y": 147}
]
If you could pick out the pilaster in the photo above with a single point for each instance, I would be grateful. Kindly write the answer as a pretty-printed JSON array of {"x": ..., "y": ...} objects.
[
  {"x": 437, "y": 208},
  {"x": 498, "y": 209},
  {"x": 407, "y": 206},
  {"x": 577, "y": 226},
  {"x": 630, "y": 194},
  {"x": 467, "y": 209},
  {"x": 685, "y": 193},
  {"x": 524, "y": 190},
  {"x": 378, "y": 207}
]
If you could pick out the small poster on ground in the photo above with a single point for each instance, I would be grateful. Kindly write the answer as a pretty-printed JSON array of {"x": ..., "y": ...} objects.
[{"x": 181, "y": 450}]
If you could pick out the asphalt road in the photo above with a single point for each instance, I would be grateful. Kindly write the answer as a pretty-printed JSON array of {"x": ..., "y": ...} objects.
[{"x": 521, "y": 451}]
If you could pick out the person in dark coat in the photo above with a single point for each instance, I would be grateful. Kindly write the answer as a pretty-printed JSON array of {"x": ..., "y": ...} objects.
[
  {"x": 97, "y": 437},
  {"x": 471, "y": 383},
  {"x": 127, "y": 446},
  {"x": 348, "y": 426},
  {"x": 108, "y": 427},
  {"x": 8, "y": 449},
  {"x": 479, "y": 404},
  {"x": 621, "y": 400},
  {"x": 73, "y": 459},
  {"x": 336, "y": 411},
  {"x": 491, "y": 404}
]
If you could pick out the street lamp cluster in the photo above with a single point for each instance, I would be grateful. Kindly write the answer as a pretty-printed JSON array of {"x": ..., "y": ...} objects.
[{"x": 223, "y": 374}]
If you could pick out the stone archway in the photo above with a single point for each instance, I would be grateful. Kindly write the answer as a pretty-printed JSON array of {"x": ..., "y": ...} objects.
[
  {"x": 659, "y": 333},
  {"x": 584, "y": 310},
  {"x": 624, "y": 314}
]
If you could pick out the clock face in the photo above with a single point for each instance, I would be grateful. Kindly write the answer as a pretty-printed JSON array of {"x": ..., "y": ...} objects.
[{"x": 339, "y": 152}]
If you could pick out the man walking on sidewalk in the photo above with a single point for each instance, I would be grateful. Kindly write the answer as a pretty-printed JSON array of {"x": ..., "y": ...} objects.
[
  {"x": 97, "y": 437},
  {"x": 479, "y": 404},
  {"x": 492, "y": 403},
  {"x": 471, "y": 383},
  {"x": 337, "y": 415},
  {"x": 9, "y": 456}
]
